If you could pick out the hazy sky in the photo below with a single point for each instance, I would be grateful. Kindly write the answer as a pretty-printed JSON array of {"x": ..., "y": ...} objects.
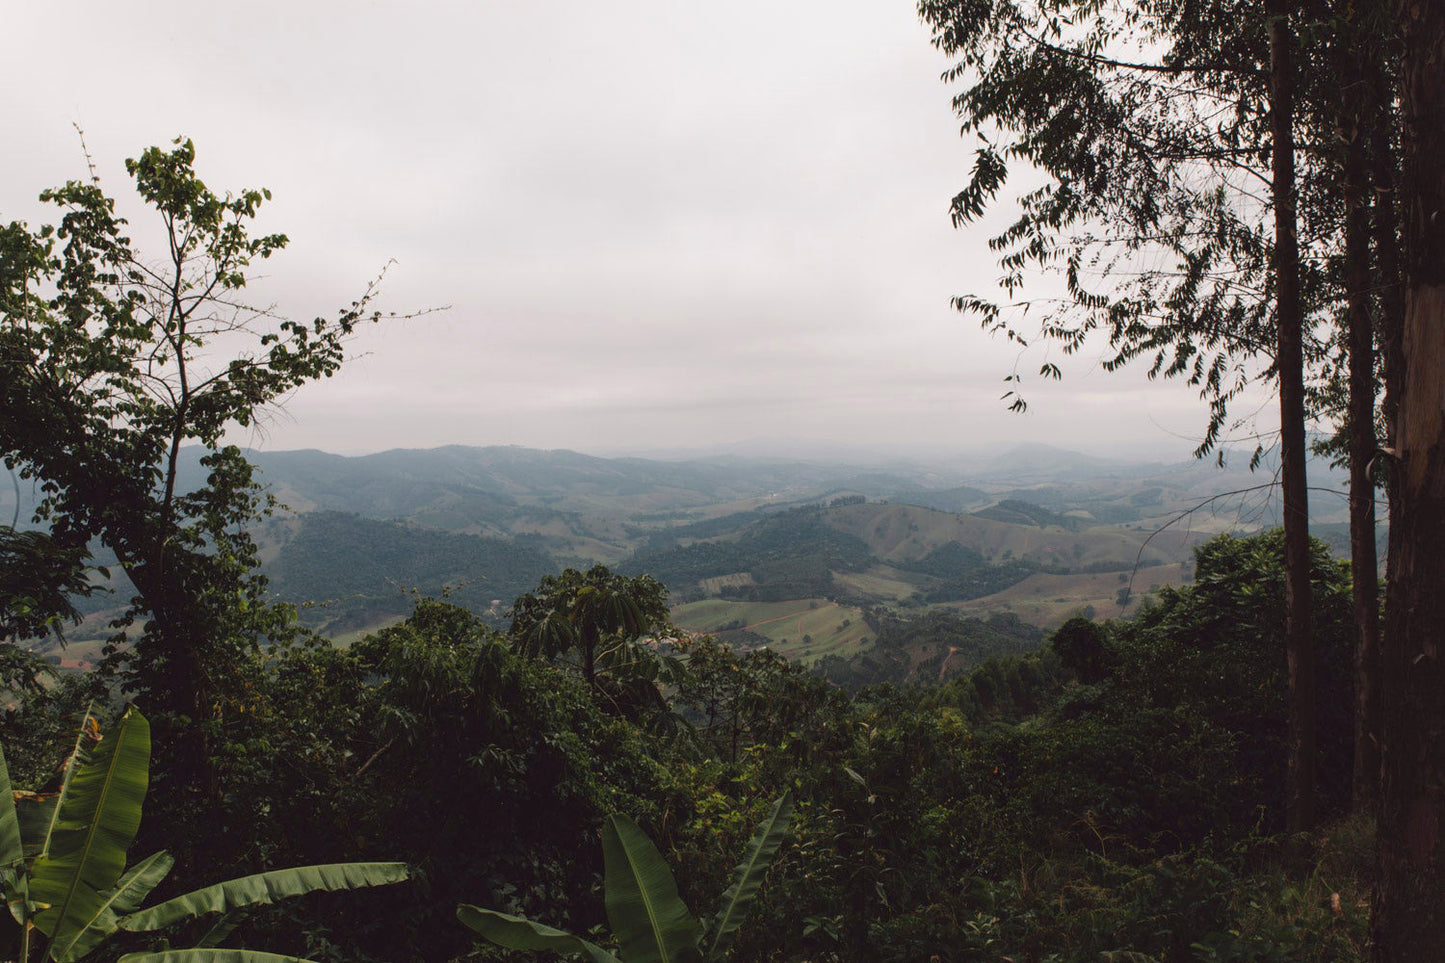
[{"x": 658, "y": 224}]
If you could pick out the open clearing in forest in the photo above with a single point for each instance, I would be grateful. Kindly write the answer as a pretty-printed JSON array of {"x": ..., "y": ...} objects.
[
  {"x": 881, "y": 581},
  {"x": 1048, "y": 600},
  {"x": 784, "y": 624}
]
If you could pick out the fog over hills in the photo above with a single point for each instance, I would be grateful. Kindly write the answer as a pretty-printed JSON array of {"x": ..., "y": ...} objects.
[
  {"x": 1033, "y": 531},
  {"x": 457, "y": 487}
]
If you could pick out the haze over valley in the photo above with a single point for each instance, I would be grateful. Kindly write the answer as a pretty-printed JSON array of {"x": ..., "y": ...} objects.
[{"x": 810, "y": 558}]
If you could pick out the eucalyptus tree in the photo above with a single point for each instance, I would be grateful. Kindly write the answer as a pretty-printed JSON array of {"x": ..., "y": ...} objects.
[
  {"x": 1408, "y": 911},
  {"x": 110, "y": 363},
  {"x": 1363, "y": 113},
  {"x": 1165, "y": 134},
  {"x": 1151, "y": 208}
]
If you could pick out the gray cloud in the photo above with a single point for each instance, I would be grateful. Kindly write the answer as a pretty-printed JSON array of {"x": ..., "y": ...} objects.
[{"x": 656, "y": 223}]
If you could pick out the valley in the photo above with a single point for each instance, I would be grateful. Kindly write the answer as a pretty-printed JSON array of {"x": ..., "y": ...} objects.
[{"x": 793, "y": 555}]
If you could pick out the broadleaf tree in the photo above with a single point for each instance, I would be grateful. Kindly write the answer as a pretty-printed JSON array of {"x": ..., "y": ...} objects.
[{"x": 111, "y": 363}]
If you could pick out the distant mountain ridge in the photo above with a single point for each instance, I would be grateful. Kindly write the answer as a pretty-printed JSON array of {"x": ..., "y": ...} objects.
[{"x": 1031, "y": 529}]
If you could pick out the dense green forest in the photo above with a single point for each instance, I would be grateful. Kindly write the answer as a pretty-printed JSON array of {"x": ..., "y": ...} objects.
[
  {"x": 355, "y": 568},
  {"x": 1245, "y": 764},
  {"x": 1116, "y": 788}
]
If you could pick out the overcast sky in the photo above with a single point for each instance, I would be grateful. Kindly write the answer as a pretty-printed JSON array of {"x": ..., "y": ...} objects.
[{"x": 657, "y": 224}]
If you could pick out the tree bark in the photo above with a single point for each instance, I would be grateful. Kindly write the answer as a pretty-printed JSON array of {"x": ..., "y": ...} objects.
[
  {"x": 1408, "y": 913},
  {"x": 1384, "y": 176},
  {"x": 1364, "y": 565},
  {"x": 1289, "y": 363}
]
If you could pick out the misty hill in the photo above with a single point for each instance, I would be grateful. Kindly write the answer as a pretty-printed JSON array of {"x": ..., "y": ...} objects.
[
  {"x": 906, "y": 532},
  {"x": 405, "y": 482},
  {"x": 756, "y": 530},
  {"x": 961, "y": 499},
  {"x": 1020, "y": 512},
  {"x": 1029, "y": 530},
  {"x": 588, "y": 507},
  {"x": 1034, "y": 463}
]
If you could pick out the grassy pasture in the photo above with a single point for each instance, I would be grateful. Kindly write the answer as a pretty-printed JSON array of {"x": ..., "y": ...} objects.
[
  {"x": 784, "y": 624},
  {"x": 882, "y": 582},
  {"x": 1048, "y": 600}
]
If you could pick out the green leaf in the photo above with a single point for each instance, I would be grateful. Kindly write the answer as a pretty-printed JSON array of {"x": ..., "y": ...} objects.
[
  {"x": 35, "y": 814},
  {"x": 133, "y": 887},
  {"x": 648, "y": 917},
  {"x": 264, "y": 888},
  {"x": 17, "y": 896},
  {"x": 74, "y": 762},
  {"x": 748, "y": 878},
  {"x": 517, "y": 933},
  {"x": 219, "y": 930},
  {"x": 139, "y": 880},
  {"x": 206, "y": 955},
  {"x": 11, "y": 850},
  {"x": 96, "y": 821}
]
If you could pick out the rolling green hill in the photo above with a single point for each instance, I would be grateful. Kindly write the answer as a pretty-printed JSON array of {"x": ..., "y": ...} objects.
[
  {"x": 1041, "y": 541},
  {"x": 790, "y": 555}
]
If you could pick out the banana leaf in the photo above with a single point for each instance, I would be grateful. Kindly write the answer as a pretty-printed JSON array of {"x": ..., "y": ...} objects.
[
  {"x": 750, "y": 873},
  {"x": 133, "y": 887},
  {"x": 264, "y": 888},
  {"x": 79, "y": 756},
  {"x": 210, "y": 956},
  {"x": 517, "y": 933},
  {"x": 219, "y": 930},
  {"x": 11, "y": 850},
  {"x": 648, "y": 918},
  {"x": 95, "y": 823},
  {"x": 35, "y": 813}
]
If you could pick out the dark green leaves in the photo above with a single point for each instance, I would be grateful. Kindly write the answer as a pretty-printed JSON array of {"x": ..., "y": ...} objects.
[
  {"x": 748, "y": 878},
  {"x": 647, "y": 915}
]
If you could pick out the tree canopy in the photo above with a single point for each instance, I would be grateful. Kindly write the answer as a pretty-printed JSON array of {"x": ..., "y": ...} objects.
[{"x": 111, "y": 360}]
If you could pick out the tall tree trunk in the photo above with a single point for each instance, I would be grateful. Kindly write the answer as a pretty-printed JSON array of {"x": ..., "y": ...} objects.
[
  {"x": 1364, "y": 566},
  {"x": 1289, "y": 362},
  {"x": 1408, "y": 919},
  {"x": 1384, "y": 176}
]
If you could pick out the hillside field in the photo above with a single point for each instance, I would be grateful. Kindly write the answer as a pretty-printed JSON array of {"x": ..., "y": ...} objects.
[
  {"x": 784, "y": 624},
  {"x": 1049, "y": 600}
]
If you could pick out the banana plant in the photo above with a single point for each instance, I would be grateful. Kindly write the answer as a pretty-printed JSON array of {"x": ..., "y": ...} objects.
[
  {"x": 649, "y": 920},
  {"x": 62, "y": 860}
]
